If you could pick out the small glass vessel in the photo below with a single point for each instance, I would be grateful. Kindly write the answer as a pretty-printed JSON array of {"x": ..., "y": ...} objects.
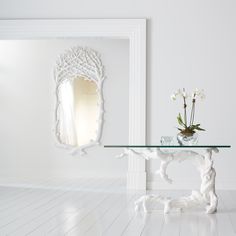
[
  {"x": 187, "y": 140},
  {"x": 167, "y": 140}
]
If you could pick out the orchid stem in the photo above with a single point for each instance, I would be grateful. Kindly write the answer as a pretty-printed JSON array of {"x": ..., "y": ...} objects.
[
  {"x": 192, "y": 110},
  {"x": 185, "y": 110}
]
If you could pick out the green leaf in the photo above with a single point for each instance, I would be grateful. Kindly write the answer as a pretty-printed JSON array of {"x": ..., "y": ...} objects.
[
  {"x": 198, "y": 128},
  {"x": 180, "y": 120},
  {"x": 194, "y": 126}
]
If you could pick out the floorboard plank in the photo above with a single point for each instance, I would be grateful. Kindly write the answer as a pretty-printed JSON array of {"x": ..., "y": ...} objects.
[{"x": 111, "y": 218}]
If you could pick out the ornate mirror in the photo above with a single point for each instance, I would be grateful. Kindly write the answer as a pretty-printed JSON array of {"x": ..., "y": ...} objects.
[{"x": 79, "y": 74}]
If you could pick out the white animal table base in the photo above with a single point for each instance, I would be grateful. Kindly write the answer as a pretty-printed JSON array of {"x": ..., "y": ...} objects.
[{"x": 206, "y": 196}]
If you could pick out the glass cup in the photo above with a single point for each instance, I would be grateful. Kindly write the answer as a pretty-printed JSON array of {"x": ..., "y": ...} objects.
[{"x": 167, "y": 140}]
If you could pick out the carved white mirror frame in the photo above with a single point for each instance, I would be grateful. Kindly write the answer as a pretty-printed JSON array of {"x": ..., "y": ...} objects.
[
  {"x": 132, "y": 29},
  {"x": 86, "y": 63}
]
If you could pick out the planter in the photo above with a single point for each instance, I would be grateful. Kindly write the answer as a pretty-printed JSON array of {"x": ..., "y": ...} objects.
[{"x": 187, "y": 139}]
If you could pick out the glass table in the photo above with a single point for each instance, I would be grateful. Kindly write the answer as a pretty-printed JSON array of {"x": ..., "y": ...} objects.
[{"x": 201, "y": 155}]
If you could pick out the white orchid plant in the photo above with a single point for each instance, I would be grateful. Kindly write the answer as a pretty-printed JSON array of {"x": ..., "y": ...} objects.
[{"x": 188, "y": 128}]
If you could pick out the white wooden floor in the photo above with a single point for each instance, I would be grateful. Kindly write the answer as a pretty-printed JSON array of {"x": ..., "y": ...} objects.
[{"x": 100, "y": 207}]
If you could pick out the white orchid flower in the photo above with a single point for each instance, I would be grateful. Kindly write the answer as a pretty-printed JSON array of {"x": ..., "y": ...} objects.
[
  {"x": 184, "y": 94},
  {"x": 178, "y": 92},
  {"x": 199, "y": 93},
  {"x": 202, "y": 92},
  {"x": 173, "y": 97},
  {"x": 175, "y": 94},
  {"x": 203, "y": 96}
]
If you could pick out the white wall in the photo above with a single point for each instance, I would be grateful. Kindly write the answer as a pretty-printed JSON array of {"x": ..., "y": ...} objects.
[
  {"x": 28, "y": 103},
  {"x": 191, "y": 43}
]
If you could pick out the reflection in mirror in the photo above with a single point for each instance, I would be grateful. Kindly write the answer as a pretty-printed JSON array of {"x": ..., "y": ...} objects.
[
  {"x": 79, "y": 111},
  {"x": 86, "y": 110},
  {"x": 79, "y": 76}
]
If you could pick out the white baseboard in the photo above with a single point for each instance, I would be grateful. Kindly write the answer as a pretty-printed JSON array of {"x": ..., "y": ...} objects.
[
  {"x": 28, "y": 181},
  {"x": 134, "y": 181},
  {"x": 62, "y": 183},
  {"x": 191, "y": 185}
]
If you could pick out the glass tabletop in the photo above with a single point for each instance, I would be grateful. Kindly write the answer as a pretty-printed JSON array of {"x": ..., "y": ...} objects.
[{"x": 166, "y": 146}]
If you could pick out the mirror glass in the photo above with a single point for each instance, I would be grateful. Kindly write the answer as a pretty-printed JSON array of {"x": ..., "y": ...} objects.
[
  {"x": 79, "y": 111},
  {"x": 86, "y": 110}
]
